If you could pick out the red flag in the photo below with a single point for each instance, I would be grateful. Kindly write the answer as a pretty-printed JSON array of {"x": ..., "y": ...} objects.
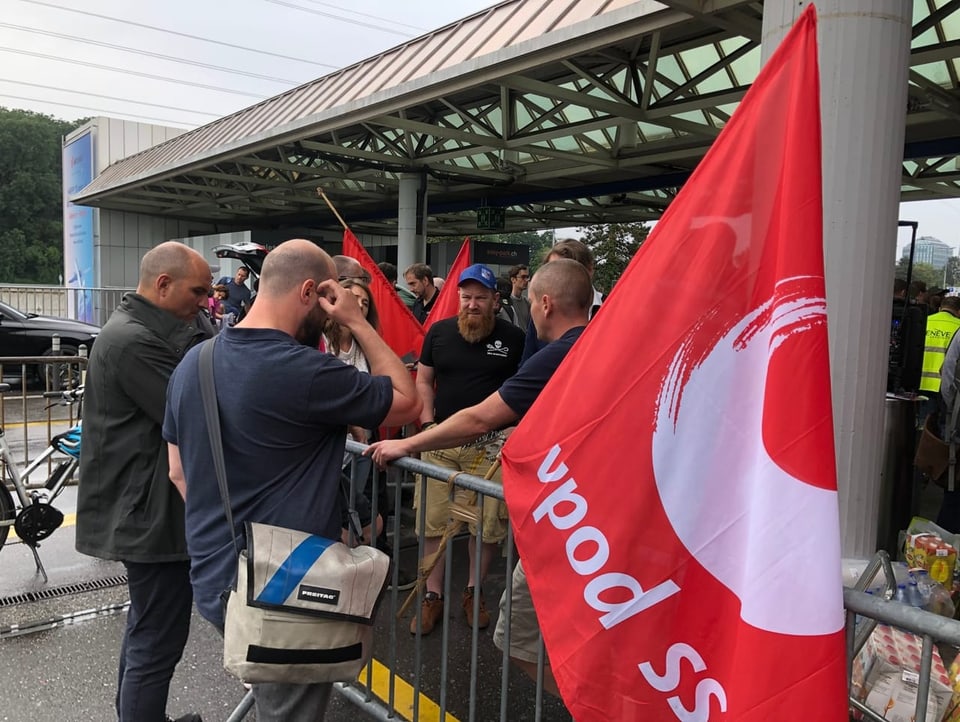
[
  {"x": 399, "y": 328},
  {"x": 673, "y": 489},
  {"x": 448, "y": 302}
]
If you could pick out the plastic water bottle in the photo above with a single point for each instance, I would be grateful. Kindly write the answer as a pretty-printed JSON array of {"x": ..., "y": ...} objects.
[
  {"x": 901, "y": 594},
  {"x": 914, "y": 597},
  {"x": 924, "y": 584}
]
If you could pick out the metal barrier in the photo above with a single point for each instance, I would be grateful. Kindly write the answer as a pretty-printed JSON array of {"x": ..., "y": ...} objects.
[
  {"x": 409, "y": 672},
  {"x": 97, "y": 302},
  {"x": 472, "y": 703},
  {"x": 929, "y": 627},
  {"x": 32, "y": 404}
]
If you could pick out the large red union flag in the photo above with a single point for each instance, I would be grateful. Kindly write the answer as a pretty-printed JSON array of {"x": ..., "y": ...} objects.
[
  {"x": 448, "y": 302},
  {"x": 399, "y": 328},
  {"x": 673, "y": 489}
]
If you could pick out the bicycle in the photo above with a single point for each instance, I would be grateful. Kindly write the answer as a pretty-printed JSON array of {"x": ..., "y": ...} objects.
[{"x": 32, "y": 514}]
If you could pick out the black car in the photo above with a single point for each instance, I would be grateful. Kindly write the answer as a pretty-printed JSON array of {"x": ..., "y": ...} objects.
[
  {"x": 250, "y": 255},
  {"x": 29, "y": 334}
]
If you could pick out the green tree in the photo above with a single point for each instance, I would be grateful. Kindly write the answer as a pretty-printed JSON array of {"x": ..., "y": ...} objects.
[
  {"x": 952, "y": 272},
  {"x": 31, "y": 200},
  {"x": 613, "y": 246},
  {"x": 921, "y": 272}
]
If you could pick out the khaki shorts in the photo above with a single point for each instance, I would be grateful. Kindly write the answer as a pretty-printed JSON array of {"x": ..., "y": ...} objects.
[
  {"x": 524, "y": 627},
  {"x": 470, "y": 460}
]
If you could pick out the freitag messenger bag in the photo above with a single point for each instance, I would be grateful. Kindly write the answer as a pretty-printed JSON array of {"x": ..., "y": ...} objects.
[{"x": 303, "y": 608}]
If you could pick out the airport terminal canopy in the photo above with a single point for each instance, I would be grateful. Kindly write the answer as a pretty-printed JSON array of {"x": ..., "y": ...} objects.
[{"x": 562, "y": 112}]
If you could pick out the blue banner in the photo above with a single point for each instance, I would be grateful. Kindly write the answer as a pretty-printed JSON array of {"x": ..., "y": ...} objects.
[{"x": 78, "y": 269}]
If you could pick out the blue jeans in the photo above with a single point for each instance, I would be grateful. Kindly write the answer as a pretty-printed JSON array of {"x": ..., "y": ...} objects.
[{"x": 158, "y": 625}]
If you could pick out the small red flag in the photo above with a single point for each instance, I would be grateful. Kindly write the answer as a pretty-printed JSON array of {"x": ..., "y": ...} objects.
[
  {"x": 673, "y": 490},
  {"x": 399, "y": 328},
  {"x": 448, "y": 302}
]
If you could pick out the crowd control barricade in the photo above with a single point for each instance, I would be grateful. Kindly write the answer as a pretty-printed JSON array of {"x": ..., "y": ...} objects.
[
  {"x": 864, "y": 611},
  {"x": 458, "y": 675},
  {"x": 87, "y": 303},
  {"x": 30, "y": 411},
  {"x": 455, "y": 673}
]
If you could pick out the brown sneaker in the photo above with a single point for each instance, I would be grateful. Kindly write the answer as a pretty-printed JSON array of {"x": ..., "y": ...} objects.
[
  {"x": 431, "y": 612},
  {"x": 483, "y": 617}
]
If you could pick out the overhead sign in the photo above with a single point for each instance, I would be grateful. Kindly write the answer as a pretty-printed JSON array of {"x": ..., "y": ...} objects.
[
  {"x": 504, "y": 254},
  {"x": 490, "y": 218}
]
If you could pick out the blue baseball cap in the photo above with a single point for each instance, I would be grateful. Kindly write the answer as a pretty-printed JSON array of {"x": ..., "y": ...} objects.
[{"x": 479, "y": 273}]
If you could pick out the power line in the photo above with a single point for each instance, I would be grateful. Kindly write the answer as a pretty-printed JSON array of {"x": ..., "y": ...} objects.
[
  {"x": 179, "y": 34},
  {"x": 98, "y": 110},
  {"x": 341, "y": 18},
  {"x": 127, "y": 71},
  {"x": 357, "y": 12},
  {"x": 109, "y": 97},
  {"x": 148, "y": 53}
]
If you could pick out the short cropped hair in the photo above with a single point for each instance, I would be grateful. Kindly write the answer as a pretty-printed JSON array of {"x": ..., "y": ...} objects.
[
  {"x": 567, "y": 282},
  {"x": 515, "y": 270},
  {"x": 951, "y": 302},
  {"x": 575, "y": 250},
  {"x": 291, "y": 263},
  {"x": 420, "y": 271},
  {"x": 388, "y": 270}
]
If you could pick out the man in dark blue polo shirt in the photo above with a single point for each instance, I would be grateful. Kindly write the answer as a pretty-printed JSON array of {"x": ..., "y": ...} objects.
[{"x": 284, "y": 416}]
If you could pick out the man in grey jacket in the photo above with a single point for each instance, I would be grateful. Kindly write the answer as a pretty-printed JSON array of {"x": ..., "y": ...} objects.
[{"x": 127, "y": 509}]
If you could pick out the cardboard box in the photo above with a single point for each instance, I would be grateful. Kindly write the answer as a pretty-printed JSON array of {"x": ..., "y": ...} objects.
[{"x": 886, "y": 673}]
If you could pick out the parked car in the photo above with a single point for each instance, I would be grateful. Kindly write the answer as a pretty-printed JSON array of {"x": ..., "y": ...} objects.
[
  {"x": 250, "y": 255},
  {"x": 30, "y": 334}
]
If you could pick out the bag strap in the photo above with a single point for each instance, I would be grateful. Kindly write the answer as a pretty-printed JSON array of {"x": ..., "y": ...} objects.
[{"x": 208, "y": 390}]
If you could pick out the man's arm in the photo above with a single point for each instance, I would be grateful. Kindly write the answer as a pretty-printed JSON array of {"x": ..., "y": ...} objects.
[
  {"x": 341, "y": 305},
  {"x": 426, "y": 388},
  {"x": 464, "y": 426},
  {"x": 176, "y": 469}
]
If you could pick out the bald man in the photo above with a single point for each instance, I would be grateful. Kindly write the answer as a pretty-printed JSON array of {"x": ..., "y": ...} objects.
[
  {"x": 126, "y": 508},
  {"x": 349, "y": 269},
  {"x": 284, "y": 415}
]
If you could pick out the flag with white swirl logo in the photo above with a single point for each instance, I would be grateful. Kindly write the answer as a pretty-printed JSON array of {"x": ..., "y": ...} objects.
[{"x": 673, "y": 489}]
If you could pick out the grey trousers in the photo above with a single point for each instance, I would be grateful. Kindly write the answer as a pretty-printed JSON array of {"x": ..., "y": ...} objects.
[{"x": 291, "y": 702}]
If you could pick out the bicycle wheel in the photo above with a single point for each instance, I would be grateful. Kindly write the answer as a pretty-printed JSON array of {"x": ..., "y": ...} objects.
[{"x": 7, "y": 512}]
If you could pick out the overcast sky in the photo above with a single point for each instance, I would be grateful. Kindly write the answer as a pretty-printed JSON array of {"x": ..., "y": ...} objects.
[{"x": 77, "y": 58}]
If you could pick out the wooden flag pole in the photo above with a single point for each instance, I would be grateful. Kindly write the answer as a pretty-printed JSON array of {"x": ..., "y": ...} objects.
[
  {"x": 460, "y": 513},
  {"x": 334, "y": 210}
]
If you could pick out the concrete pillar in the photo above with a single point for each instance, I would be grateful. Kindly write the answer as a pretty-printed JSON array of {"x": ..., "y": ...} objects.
[
  {"x": 411, "y": 245},
  {"x": 864, "y": 59}
]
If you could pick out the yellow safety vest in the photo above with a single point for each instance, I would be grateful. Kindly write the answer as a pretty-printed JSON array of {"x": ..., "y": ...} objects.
[{"x": 940, "y": 329}]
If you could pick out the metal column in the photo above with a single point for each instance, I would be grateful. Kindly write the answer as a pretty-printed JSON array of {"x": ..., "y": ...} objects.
[
  {"x": 411, "y": 240},
  {"x": 864, "y": 59}
]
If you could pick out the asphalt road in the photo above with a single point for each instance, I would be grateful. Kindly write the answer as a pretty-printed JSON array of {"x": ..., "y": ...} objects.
[{"x": 59, "y": 640}]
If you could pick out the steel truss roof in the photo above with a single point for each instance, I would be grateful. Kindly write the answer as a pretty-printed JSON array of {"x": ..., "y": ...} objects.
[{"x": 566, "y": 112}]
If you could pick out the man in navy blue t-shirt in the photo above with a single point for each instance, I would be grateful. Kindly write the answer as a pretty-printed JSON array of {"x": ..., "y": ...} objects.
[
  {"x": 561, "y": 295},
  {"x": 284, "y": 413}
]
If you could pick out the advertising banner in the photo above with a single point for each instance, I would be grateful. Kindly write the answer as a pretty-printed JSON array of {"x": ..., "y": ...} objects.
[{"x": 78, "y": 228}]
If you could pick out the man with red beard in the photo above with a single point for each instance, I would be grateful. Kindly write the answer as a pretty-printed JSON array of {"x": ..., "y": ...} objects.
[{"x": 465, "y": 358}]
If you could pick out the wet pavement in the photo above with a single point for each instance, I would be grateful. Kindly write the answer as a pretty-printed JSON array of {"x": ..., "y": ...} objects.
[
  {"x": 59, "y": 654},
  {"x": 59, "y": 640}
]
